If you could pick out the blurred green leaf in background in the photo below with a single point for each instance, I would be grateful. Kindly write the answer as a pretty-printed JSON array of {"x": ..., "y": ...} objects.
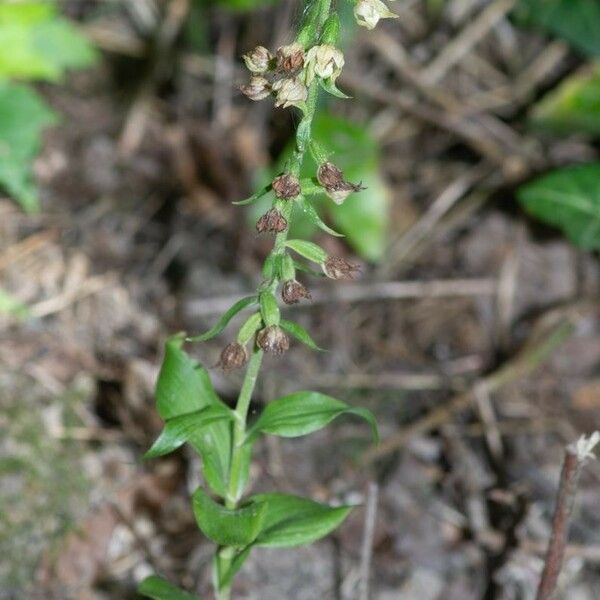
[
  {"x": 577, "y": 21},
  {"x": 569, "y": 199},
  {"x": 573, "y": 106},
  {"x": 36, "y": 43}
]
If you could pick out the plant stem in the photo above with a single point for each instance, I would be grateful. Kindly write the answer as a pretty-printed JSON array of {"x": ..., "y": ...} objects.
[{"x": 237, "y": 466}]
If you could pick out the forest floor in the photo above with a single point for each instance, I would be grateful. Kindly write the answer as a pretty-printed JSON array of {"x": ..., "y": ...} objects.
[{"x": 138, "y": 239}]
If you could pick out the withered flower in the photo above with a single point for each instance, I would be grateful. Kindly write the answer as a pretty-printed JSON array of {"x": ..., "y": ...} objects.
[
  {"x": 332, "y": 179},
  {"x": 286, "y": 186},
  {"x": 293, "y": 291},
  {"x": 258, "y": 88},
  {"x": 272, "y": 339},
  {"x": 272, "y": 221},
  {"x": 290, "y": 92},
  {"x": 336, "y": 267},
  {"x": 258, "y": 60},
  {"x": 290, "y": 58},
  {"x": 233, "y": 356}
]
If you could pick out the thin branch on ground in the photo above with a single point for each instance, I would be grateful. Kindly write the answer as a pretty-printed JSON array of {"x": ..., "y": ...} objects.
[{"x": 576, "y": 455}]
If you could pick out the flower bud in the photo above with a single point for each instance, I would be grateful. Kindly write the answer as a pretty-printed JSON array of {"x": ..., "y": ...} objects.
[
  {"x": 332, "y": 179},
  {"x": 272, "y": 339},
  {"x": 368, "y": 12},
  {"x": 290, "y": 58},
  {"x": 324, "y": 61},
  {"x": 258, "y": 60},
  {"x": 272, "y": 221},
  {"x": 336, "y": 267},
  {"x": 290, "y": 92},
  {"x": 257, "y": 89},
  {"x": 233, "y": 356},
  {"x": 286, "y": 186},
  {"x": 293, "y": 291}
]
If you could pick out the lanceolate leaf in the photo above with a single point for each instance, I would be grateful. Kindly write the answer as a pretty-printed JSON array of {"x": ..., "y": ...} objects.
[
  {"x": 568, "y": 198},
  {"x": 330, "y": 87},
  {"x": 183, "y": 388},
  {"x": 227, "y": 527},
  {"x": 308, "y": 250},
  {"x": 301, "y": 413},
  {"x": 256, "y": 196},
  {"x": 224, "y": 320},
  {"x": 187, "y": 428},
  {"x": 158, "y": 589},
  {"x": 294, "y": 521},
  {"x": 249, "y": 328},
  {"x": 314, "y": 218},
  {"x": 299, "y": 333}
]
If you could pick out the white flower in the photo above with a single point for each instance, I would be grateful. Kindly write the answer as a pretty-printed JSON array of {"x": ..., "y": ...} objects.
[
  {"x": 324, "y": 61},
  {"x": 290, "y": 58},
  {"x": 258, "y": 60},
  {"x": 368, "y": 12},
  {"x": 290, "y": 92}
]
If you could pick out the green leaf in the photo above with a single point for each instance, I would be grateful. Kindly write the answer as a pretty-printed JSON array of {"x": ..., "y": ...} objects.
[
  {"x": 330, "y": 87},
  {"x": 23, "y": 117},
  {"x": 184, "y": 387},
  {"x": 569, "y": 199},
  {"x": 300, "y": 334},
  {"x": 577, "y": 21},
  {"x": 308, "y": 250},
  {"x": 287, "y": 270},
  {"x": 313, "y": 216},
  {"x": 187, "y": 428},
  {"x": 301, "y": 413},
  {"x": 572, "y": 107},
  {"x": 158, "y": 589},
  {"x": 224, "y": 320},
  {"x": 269, "y": 309},
  {"x": 264, "y": 191},
  {"x": 226, "y": 527},
  {"x": 37, "y": 43},
  {"x": 249, "y": 328},
  {"x": 294, "y": 521}
]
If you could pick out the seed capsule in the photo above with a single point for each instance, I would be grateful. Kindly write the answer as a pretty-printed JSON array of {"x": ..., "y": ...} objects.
[
  {"x": 336, "y": 267},
  {"x": 233, "y": 356},
  {"x": 258, "y": 88},
  {"x": 258, "y": 60},
  {"x": 286, "y": 186},
  {"x": 293, "y": 291},
  {"x": 332, "y": 179},
  {"x": 272, "y": 339},
  {"x": 272, "y": 222}
]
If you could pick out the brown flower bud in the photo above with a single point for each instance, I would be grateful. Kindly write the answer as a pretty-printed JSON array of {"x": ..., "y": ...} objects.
[
  {"x": 233, "y": 356},
  {"x": 272, "y": 339},
  {"x": 336, "y": 267},
  {"x": 293, "y": 291},
  {"x": 332, "y": 179},
  {"x": 258, "y": 88},
  {"x": 286, "y": 186},
  {"x": 290, "y": 58},
  {"x": 258, "y": 60},
  {"x": 272, "y": 221}
]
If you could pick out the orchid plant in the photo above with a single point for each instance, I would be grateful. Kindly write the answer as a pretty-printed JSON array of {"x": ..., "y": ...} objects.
[{"x": 193, "y": 413}]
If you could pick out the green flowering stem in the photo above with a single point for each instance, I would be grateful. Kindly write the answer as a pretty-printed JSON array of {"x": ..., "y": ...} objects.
[{"x": 309, "y": 35}]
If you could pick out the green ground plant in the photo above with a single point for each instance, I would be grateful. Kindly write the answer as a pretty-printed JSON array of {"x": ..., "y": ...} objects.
[{"x": 186, "y": 400}]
